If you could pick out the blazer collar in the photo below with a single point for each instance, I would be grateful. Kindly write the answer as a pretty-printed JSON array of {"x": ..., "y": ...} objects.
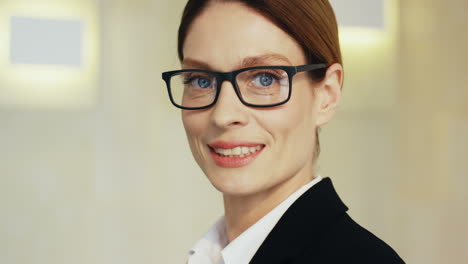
[{"x": 300, "y": 224}]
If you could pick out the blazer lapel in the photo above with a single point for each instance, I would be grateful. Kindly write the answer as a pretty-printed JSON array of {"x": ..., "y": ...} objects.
[{"x": 300, "y": 224}]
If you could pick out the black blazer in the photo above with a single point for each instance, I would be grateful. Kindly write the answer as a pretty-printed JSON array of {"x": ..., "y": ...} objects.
[{"x": 316, "y": 229}]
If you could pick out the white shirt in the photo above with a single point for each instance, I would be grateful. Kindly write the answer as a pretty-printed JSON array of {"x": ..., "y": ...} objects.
[{"x": 213, "y": 247}]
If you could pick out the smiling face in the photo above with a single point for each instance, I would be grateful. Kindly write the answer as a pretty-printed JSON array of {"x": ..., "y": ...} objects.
[{"x": 279, "y": 141}]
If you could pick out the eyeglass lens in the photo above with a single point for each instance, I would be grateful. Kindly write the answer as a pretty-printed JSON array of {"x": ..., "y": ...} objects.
[{"x": 260, "y": 87}]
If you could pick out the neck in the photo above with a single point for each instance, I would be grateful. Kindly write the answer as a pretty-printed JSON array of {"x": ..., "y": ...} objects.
[{"x": 241, "y": 212}]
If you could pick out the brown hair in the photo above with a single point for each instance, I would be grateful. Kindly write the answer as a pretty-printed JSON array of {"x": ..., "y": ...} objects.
[{"x": 311, "y": 23}]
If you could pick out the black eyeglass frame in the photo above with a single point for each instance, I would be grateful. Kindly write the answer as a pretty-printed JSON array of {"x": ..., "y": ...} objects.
[{"x": 231, "y": 77}]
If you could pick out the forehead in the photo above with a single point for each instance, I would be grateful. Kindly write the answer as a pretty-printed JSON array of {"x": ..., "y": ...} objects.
[{"x": 225, "y": 34}]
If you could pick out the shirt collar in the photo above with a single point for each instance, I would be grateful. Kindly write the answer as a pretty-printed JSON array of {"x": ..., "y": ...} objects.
[
  {"x": 208, "y": 248},
  {"x": 212, "y": 247}
]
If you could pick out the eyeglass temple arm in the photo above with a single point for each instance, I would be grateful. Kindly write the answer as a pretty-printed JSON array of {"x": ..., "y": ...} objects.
[{"x": 310, "y": 67}]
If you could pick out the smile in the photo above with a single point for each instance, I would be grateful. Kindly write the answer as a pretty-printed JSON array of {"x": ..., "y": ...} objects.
[
  {"x": 234, "y": 154},
  {"x": 237, "y": 151}
]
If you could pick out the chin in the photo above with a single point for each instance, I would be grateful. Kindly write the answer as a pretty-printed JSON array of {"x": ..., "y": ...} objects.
[{"x": 235, "y": 185}]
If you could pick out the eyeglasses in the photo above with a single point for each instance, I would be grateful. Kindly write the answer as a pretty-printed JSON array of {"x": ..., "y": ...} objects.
[{"x": 263, "y": 86}]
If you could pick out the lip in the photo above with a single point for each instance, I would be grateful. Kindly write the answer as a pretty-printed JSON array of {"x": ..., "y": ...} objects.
[
  {"x": 234, "y": 162},
  {"x": 233, "y": 144}
]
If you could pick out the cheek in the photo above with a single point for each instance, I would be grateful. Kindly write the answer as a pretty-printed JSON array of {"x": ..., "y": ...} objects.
[
  {"x": 194, "y": 124},
  {"x": 303, "y": 110},
  {"x": 294, "y": 125},
  {"x": 295, "y": 128},
  {"x": 189, "y": 124}
]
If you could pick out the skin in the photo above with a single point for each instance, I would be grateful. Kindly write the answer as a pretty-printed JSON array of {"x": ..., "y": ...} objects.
[{"x": 225, "y": 37}]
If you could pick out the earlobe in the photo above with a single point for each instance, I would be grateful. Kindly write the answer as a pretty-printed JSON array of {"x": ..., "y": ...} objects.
[{"x": 330, "y": 94}]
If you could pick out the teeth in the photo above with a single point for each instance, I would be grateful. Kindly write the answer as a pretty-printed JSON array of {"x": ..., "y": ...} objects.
[
  {"x": 245, "y": 150},
  {"x": 225, "y": 152},
  {"x": 238, "y": 151}
]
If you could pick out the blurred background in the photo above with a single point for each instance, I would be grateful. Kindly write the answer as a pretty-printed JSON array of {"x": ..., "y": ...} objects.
[{"x": 94, "y": 163}]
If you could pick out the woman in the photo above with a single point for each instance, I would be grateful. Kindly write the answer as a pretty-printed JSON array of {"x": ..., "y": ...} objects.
[{"x": 258, "y": 80}]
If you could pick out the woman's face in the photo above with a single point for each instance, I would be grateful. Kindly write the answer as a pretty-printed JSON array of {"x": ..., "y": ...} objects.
[{"x": 229, "y": 36}]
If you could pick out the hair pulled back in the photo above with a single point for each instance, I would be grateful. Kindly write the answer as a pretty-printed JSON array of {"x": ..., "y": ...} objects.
[{"x": 312, "y": 23}]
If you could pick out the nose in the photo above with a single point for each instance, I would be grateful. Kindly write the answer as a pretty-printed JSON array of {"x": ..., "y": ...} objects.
[{"x": 229, "y": 112}]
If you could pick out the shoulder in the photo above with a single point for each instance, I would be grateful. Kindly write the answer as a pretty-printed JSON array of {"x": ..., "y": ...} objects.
[
  {"x": 344, "y": 240},
  {"x": 317, "y": 229}
]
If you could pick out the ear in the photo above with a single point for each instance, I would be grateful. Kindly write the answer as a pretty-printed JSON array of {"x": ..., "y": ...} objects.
[{"x": 329, "y": 94}]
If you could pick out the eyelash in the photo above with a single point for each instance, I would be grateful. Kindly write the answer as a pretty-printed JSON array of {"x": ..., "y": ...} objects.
[
  {"x": 191, "y": 78},
  {"x": 269, "y": 72}
]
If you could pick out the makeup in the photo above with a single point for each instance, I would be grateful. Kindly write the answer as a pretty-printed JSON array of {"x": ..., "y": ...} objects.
[{"x": 234, "y": 154}]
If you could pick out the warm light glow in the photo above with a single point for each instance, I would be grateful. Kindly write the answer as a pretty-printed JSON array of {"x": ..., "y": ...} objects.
[
  {"x": 48, "y": 86},
  {"x": 369, "y": 57},
  {"x": 361, "y": 36}
]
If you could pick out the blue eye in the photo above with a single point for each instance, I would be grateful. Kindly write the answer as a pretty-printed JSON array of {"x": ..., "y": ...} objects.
[
  {"x": 264, "y": 80},
  {"x": 202, "y": 83}
]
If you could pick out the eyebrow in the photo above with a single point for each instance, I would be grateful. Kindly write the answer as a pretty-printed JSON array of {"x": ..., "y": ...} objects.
[{"x": 261, "y": 60}]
